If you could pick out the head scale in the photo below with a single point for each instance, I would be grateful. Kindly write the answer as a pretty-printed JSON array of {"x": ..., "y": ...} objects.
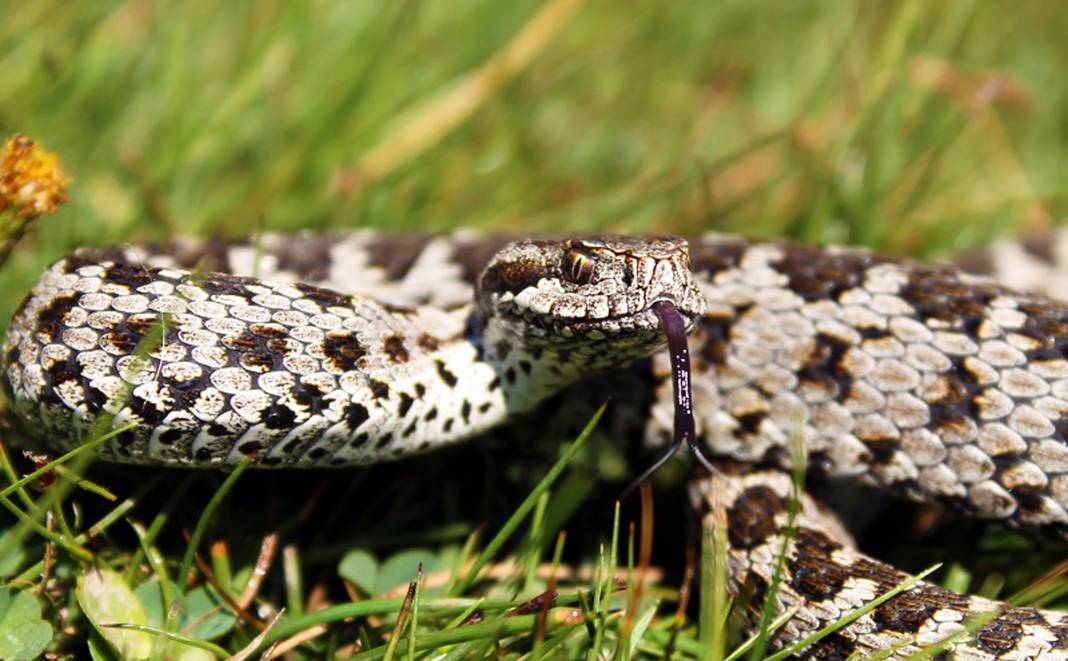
[{"x": 583, "y": 290}]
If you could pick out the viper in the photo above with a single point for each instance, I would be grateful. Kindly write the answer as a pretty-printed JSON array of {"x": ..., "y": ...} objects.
[{"x": 927, "y": 380}]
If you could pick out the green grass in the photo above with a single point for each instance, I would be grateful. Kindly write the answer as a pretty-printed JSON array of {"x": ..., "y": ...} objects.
[{"x": 920, "y": 128}]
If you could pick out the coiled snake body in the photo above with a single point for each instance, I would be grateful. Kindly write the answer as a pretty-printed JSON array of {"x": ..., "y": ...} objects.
[{"x": 313, "y": 350}]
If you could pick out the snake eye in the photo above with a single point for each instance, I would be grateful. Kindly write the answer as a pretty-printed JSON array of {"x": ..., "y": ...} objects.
[{"x": 578, "y": 268}]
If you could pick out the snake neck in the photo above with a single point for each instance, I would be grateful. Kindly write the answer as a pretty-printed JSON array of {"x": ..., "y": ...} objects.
[{"x": 530, "y": 368}]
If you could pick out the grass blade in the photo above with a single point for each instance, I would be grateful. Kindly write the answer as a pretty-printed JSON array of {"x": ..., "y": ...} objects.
[{"x": 527, "y": 505}]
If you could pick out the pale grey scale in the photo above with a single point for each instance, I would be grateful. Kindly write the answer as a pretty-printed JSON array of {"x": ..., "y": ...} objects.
[
  {"x": 1035, "y": 263},
  {"x": 223, "y": 419},
  {"x": 824, "y": 578},
  {"x": 863, "y": 378}
]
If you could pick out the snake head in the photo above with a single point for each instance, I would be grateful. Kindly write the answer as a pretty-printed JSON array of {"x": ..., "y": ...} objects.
[{"x": 581, "y": 290}]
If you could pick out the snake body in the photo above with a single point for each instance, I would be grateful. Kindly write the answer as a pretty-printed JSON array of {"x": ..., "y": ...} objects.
[
  {"x": 299, "y": 375},
  {"x": 825, "y": 578},
  {"x": 307, "y": 350}
]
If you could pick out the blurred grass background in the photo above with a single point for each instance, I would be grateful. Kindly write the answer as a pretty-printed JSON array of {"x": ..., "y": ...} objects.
[{"x": 911, "y": 127}]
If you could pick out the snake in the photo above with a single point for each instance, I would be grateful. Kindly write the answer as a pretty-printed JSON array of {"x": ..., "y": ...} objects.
[{"x": 938, "y": 382}]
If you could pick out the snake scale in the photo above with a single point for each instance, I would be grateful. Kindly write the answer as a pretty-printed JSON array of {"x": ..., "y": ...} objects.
[{"x": 933, "y": 381}]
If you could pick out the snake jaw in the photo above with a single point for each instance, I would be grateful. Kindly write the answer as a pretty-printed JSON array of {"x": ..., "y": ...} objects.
[{"x": 590, "y": 290}]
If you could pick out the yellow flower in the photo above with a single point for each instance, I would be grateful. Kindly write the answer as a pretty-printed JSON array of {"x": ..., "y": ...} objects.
[{"x": 31, "y": 180}]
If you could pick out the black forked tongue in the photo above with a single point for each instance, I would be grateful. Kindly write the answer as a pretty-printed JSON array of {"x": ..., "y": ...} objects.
[{"x": 675, "y": 328}]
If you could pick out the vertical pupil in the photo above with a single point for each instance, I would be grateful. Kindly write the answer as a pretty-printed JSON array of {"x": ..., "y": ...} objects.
[{"x": 579, "y": 272}]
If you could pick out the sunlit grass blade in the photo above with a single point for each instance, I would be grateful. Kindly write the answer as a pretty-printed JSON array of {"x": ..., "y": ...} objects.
[
  {"x": 793, "y": 509},
  {"x": 510, "y": 526},
  {"x": 175, "y": 637},
  {"x": 205, "y": 518},
  {"x": 800, "y": 645}
]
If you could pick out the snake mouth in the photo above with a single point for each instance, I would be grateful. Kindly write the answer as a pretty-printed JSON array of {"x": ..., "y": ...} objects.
[
  {"x": 643, "y": 322},
  {"x": 689, "y": 313}
]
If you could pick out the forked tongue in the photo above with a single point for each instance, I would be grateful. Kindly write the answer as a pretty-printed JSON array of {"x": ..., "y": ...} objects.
[{"x": 675, "y": 329}]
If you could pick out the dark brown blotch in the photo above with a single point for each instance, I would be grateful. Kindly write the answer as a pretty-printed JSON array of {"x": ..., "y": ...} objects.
[
  {"x": 279, "y": 347},
  {"x": 249, "y": 449},
  {"x": 1028, "y": 498},
  {"x": 402, "y": 310},
  {"x": 221, "y": 283},
  {"x": 837, "y": 646},
  {"x": 307, "y": 256},
  {"x": 815, "y": 273},
  {"x": 395, "y": 348},
  {"x": 309, "y": 396},
  {"x": 325, "y": 297},
  {"x": 279, "y": 416},
  {"x": 825, "y": 368},
  {"x": 96, "y": 400},
  {"x": 130, "y": 275},
  {"x": 751, "y": 519},
  {"x": 356, "y": 414},
  {"x": 514, "y": 276},
  {"x": 142, "y": 324},
  {"x": 52, "y": 318},
  {"x": 343, "y": 350},
  {"x": 268, "y": 330},
  {"x": 939, "y": 294},
  {"x": 386, "y": 439},
  {"x": 1041, "y": 246},
  {"x": 380, "y": 389},
  {"x": 473, "y": 256},
  {"x": 715, "y": 328},
  {"x": 396, "y": 253},
  {"x": 711, "y": 257},
  {"x": 979, "y": 262},
  {"x": 448, "y": 377},
  {"x": 503, "y": 347},
  {"x": 123, "y": 340},
  {"x": 170, "y": 436},
  {"x": 749, "y": 423},
  {"x": 257, "y": 361},
  {"x": 428, "y": 342},
  {"x": 146, "y": 410},
  {"x": 243, "y": 341},
  {"x": 209, "y": 255},
  {"x": 955, "y": 406},
  {"x": 1000, "y": 635},
  {"x": 813, "y": 574},
  {"x": 126, "y": 439}
]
